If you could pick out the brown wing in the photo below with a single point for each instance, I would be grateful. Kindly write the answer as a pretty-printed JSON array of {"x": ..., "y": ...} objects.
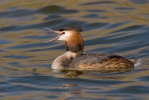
[{"x": 101, "y": 61}]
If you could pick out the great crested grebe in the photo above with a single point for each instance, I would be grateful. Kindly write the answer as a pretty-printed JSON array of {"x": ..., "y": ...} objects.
[{"x": 74, "y": 57}]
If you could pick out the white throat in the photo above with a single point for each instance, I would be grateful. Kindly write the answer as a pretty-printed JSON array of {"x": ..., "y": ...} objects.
[
  {"x": 63, "y": 59},
  {"x": 65, "y": 36}
]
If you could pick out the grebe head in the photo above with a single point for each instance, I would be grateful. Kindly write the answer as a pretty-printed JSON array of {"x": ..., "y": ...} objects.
[{"x": 71, "y": 36}]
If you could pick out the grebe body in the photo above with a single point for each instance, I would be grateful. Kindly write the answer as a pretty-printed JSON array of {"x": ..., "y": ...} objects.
[{"x": 75, "y": 58}]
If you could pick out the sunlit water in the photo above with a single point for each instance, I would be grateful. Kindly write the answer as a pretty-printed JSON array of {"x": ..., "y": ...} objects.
[{"x": 115, "y": 26}]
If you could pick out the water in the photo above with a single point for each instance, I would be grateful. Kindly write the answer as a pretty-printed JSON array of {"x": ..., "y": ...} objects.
[{"x": 115, "y": 26}]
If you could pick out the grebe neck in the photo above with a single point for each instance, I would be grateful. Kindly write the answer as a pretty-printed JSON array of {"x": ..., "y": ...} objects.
[
  {"x": 65, "y": 59},
  {"x": 74, "y": 48}
]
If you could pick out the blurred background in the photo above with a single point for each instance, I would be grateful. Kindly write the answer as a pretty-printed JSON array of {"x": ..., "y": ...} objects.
[{"x": 115, "y": 26}]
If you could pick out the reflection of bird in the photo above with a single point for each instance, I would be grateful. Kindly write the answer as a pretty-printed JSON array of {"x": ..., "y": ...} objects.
[{"x": 74, "y": 57}]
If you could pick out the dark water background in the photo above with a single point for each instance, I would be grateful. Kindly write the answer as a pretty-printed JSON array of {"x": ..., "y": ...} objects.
[{"x": 116, "y": 26}]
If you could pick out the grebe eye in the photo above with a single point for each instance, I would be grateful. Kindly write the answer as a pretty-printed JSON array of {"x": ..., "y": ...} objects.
[{"x": 63, "y": 32}]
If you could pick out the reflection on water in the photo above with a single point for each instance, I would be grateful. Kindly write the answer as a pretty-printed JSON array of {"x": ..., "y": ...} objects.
[{"x": 116, "y": 26}]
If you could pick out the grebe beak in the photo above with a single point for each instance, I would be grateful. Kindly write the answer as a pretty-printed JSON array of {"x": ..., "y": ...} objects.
[{"x": 59, "y": 34}]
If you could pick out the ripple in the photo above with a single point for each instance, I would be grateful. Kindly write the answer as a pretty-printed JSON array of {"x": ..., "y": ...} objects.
[
  {"x": 10, "y": 28},
  {"x": 131, "y": 28},
  {"x": 144, "y": 78},
  {"x": 94, "y": 25},
  {"x": 16, "y": 13},
  {"x": 50, "y": 17},
  {"x": 17, "y": 57},
  {"x": 58, "y": 47},
  {"x": 125, "y": 8},
  {"x": 52, "y": 23},
  {"x": 14, "y": 63},
  {"x": 137, "y": 89},
  {"x": 2, "y": 51},
  {"x": 91, "y": 16},
  {"x": 37, "y": 37},
  {"x": 100, "y": 2},
  {"x": 27, "y": 46},
  {"x": 94, "y": 16},
  {"x": 139, "y": 1},
  {"x": 36, "y": 80},
  {"x": 115, "y": 25},
  {"x": 96, "y": 11},
  {"x": 5, "y": 41},
  {"x": 54, "y": 9},
  {"x": 73, "y": 23}
]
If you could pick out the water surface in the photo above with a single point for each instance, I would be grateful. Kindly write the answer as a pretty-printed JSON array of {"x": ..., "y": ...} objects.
[{"x": 115, "y": 26}]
